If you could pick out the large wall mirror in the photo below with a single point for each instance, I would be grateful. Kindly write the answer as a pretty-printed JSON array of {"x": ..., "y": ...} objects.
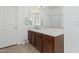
[
  {"x": 34, "y": 18},
  {"x": 45, "y": 16}
]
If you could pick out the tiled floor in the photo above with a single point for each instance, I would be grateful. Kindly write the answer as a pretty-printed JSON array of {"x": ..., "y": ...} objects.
[{"x": 27, "y": 48}]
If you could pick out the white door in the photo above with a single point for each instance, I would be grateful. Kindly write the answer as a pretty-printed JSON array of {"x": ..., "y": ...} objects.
[{"x": 8, "y": 22}]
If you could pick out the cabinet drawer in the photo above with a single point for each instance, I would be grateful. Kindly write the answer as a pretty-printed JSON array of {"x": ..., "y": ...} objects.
[
  {"x": 38, "y": 34},
  {"x": 48, "y": 37}
]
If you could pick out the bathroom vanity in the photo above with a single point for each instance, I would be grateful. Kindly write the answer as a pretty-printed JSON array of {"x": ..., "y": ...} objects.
[{"x": 47, "y": 40}]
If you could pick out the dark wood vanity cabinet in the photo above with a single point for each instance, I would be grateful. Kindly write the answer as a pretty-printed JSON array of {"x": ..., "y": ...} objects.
[
  {"x": 31, "y": 37},
  {"x": 48, "y": 44},
  {"x": 35, "y": 39},
  {"x": 59, "y": 44},
  {"x": 45, "y": 43},
  {"x": 38, "y": 41},
  {"x": 38, "y": 44},
  {"x": 53, "y": 44}
]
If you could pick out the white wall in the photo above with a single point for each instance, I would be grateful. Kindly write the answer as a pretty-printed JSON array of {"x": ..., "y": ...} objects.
[{"x": 71, "y": 25}]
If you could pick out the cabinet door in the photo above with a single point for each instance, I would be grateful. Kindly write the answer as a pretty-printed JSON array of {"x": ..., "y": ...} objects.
[
  {"x": 38, "y": 44},
  {"x": 33, "y": 39},
  {"x": 30, "y": 36},
  {"x": 48, "y": 44},
  {"x": 59, "y": 44}
]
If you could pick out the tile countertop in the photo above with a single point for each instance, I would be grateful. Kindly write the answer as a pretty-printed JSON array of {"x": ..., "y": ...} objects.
[{"x": 49, "y": 31}]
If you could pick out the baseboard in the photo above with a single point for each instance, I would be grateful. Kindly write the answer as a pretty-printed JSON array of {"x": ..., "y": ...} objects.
[
  {"x": 9, "y": 46},
  {"x": 17, "y": 43}
]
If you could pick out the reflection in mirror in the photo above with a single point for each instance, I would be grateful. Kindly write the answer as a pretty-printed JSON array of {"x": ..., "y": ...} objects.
[{"x": 34, "y": 17}]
